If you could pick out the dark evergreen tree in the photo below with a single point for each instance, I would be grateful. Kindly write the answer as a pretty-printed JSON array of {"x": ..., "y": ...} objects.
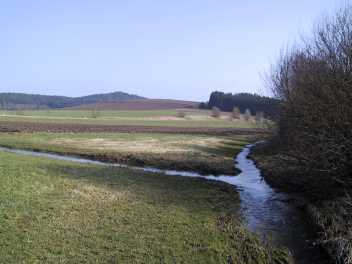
[{"x": 255, "y": 103}]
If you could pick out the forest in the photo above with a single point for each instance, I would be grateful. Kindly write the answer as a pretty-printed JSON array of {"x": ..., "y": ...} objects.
[
  {"x": 13, "y": 101},
  {"x": 243, "y": 101}
]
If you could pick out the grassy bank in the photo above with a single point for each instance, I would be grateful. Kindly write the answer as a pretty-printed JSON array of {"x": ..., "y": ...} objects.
[
  {"x": 201, "y": 153},
  {"x": 61, "y": 212},
  {"x": 285, "y": 178}
]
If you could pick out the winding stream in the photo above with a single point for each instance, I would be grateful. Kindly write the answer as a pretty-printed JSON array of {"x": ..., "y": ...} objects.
[{"x": 268, "y": 213}]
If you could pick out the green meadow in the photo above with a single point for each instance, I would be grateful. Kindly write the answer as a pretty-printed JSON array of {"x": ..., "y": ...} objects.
[{"x": 61, "y": 212}]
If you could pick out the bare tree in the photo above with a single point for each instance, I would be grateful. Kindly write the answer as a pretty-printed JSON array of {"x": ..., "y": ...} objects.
[
  {"x": 215, "y": 112},
  {"x": 314, "y": 83},
  {"x": 95, "y": 113},
  {"x": 236, "y": 114},
  {"x": 259, "y": 117},
  {"x": 247, "y": 115}
]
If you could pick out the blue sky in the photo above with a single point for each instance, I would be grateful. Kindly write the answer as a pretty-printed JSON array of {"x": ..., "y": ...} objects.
[{"x": 158, "y": 49}]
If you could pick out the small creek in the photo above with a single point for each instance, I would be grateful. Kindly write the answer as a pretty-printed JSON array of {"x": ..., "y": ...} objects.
[{"x": 269, "y": 213}]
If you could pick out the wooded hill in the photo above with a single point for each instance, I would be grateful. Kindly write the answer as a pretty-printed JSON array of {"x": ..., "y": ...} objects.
[
  {"x": 37, "y": 101},
  {"x": 255, "y": 103}
]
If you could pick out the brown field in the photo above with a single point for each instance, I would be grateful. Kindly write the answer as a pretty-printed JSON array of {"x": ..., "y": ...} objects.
[
  {"x": 143, "y": 104},
  {"x": 79, "y": 128}
]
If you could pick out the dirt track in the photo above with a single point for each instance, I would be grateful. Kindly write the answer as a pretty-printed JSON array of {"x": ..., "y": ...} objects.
[{"x": 30, "y": 127}]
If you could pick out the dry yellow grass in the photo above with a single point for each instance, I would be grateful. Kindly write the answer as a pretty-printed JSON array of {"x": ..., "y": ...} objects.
[{"x": 205, "y": 154}]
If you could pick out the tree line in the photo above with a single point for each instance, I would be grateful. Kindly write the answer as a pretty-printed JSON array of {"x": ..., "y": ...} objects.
[{"x": 244, "y": 102}]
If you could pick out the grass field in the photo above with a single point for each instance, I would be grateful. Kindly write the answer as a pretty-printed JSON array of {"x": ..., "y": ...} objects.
[
  {"x": 61, "y": 212},
  {"x": 193, "y": 118},
  {"x": 201, "y": 153}
]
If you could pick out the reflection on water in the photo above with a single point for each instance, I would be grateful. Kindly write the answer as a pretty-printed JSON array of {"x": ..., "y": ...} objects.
[{"x": 267, "y": 212}]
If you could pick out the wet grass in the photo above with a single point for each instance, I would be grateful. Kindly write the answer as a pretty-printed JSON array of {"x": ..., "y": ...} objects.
[
  {"x": 61, "y": 212},
  {"x": 201, "y": 153}
]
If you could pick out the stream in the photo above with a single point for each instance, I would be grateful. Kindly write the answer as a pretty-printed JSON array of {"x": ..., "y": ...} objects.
[{"x": 270, "y": 214}]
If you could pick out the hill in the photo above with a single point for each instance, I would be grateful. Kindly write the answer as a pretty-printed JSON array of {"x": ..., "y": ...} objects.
[
  {"x": 37, "y": 101},
  {"x": 142, "y": 104}
]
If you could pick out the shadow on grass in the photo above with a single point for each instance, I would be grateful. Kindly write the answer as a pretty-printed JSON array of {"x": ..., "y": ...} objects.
[
  {"x": 193, "y": 194},
  {"x": 226, "y": 148}
]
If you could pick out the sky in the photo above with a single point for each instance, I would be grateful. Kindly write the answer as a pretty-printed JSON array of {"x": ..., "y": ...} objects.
[{"x": 182, "y": 49}]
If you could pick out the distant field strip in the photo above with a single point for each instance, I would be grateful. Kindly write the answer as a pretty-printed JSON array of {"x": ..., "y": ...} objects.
[
  {"x": 88, "y": 113},
  {"x": 193, "y": 118}
]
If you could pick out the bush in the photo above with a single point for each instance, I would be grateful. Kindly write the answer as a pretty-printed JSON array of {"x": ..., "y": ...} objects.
[{"x": 314, "y": 83}]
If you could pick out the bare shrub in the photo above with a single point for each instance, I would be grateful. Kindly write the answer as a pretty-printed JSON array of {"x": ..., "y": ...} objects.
[
  {"x": 259, "y": 117},
  {"x": 334, "y": 218},
  {"x": 215, "y": 112},
  {"x": 314, "y": 83},
  {"x": 95, "y": 113},
  {"x": 247, "y": 115},
  {"x": 315, "y": 86},
  {"x": 181, "y": 114},
  {"x": 236, "y": 114}
]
